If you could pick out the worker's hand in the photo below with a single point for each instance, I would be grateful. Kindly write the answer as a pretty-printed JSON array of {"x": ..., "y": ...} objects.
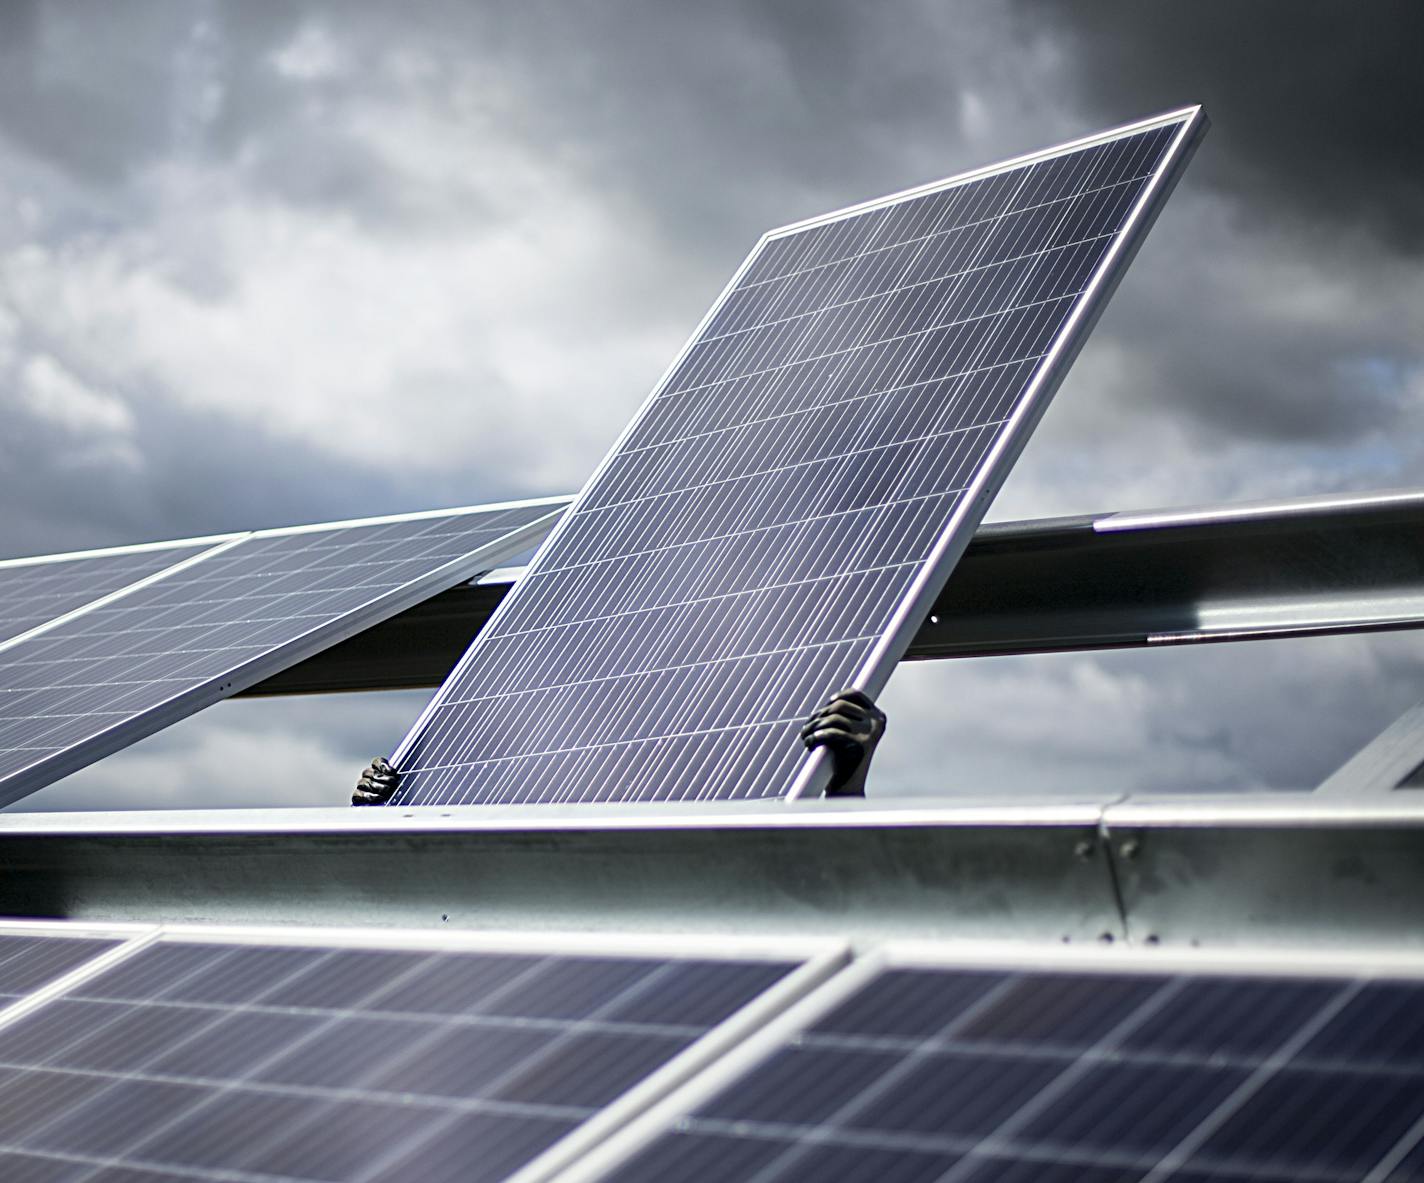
[
  {"x": 377, "y": 783},
  {"x": 848, "y": 726}
]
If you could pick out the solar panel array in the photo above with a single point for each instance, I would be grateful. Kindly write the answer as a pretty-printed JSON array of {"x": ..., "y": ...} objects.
[
  {"x": 126, "y": 667},
  {"x": 784, "y": 507},
  {"x": 948, "y": 1075},
  {"x": 29, "y": 962},
  {"x": 34, "y": 592},
  {"x": 252, "y": 1061},
  {"x": 378, "y": 1057}
]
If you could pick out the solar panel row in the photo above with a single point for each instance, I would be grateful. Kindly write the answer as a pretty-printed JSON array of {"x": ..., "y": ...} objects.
[
  {"x": 254, "y": 1055},
  {"x": 127, "y": 666},
  {"x": 794, "y": 491},
  {"x": 29, "y": 962},
  {"x": 209, "y": 1059},
  {"x": 37, "y": 591},
  {"x": 944, "y": 1074}
]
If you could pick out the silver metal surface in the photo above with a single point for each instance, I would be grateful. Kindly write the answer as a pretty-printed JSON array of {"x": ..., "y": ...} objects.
[
  {"x": 1270, "y": 871},
  {"x": 830, "y": 953},
  {"x": 1334, "y": 505},
  {"x": 1323, "y": 873},
  {"x": 673, "y": 815},
  {"x": 860, "y": 874},
  {"x": 1283, "y": 568},
  {"x": 1385, "y": 763}
]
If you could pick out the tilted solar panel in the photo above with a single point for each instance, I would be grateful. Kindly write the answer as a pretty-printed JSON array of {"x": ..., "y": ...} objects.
[
  {"x": 38, "y": 590},
  {"x": 125, "y": 668},
  {"x": 365, "y": 1058},
  {"x": 779, "y": 516},
  {"x": 919, "y": 1074},
  {"x": 31, "y": 961}
]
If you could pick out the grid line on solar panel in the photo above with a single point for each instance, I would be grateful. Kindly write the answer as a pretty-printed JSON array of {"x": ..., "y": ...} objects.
[
  {"x": 905, "y": 287},
  {"x": 850, "y": 400},
  {"x": 976, "y": 1074},
  {"x": 30, "y": 962},
  {"x": 36, "y": 591},
  {"x": 900, "y": 339},
  {"x": 858, "y": 244},
  {"x": 301, "y": 1062},
  {"x": 801, "y": 472},
  {"x": 196, "y": 633}
]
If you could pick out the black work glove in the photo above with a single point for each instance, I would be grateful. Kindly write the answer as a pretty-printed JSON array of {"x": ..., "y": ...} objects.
[
  {"x": 377, "y": 783},
  {"x": 849, "y": 726}
]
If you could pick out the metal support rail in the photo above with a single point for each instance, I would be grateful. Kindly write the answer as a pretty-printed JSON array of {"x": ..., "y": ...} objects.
[
  {"x": 1223, "y": 573},
  {"x": 1275, "y": 871}
]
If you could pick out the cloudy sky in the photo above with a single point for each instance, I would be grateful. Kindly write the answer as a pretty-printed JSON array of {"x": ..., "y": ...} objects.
[{"x": 264, "y": 263}]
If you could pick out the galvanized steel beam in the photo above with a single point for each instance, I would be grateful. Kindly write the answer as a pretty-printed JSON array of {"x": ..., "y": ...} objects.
[
  {"x": 1224, "y": 573},
  {"x": 1279, "y": 871}
]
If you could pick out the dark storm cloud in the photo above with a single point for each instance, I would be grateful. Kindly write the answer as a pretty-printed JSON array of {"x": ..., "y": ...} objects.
[
  {"x": 1276, "y": 339},
  {"x": 103, "y": 90},
  {"x": 1317, "y": 105},
  {"x": 704, "y": 124},
  {"x": 696, "y": 126},
  {"x": 708, "y": 122},
  {"x": 727, "y": 115},
  {"x": 173, "y": 170},
  {"x": 185, "y": 482}
]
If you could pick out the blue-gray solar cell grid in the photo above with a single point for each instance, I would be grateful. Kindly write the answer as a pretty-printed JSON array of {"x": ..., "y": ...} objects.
[
  {"x": 192, "y": 1060},
  {"x": 203, "y": 632},
  {"x": 32, "y": 594},
  {"x": 750, "y": 540},
  {"x": 973, "y": 1077},
  {"x": 30, "y": 962}
]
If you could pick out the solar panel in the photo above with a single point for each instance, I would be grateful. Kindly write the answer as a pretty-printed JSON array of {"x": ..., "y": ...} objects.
[
  {"x": 931, "y": 1072},
  {"x": 779, "y": 516},
  {"x": 237, "y": 1058},
  {"x": 36, "y": 591},
  {"x": 30, "y": 961},
  {"x": 122, "y": 669}
]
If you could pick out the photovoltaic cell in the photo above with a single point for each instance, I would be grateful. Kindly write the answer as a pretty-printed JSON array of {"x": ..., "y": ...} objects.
[
  {"x": 948, "y": 1075},
  {"x": 122, "y": 670},
  {"x": 191, "y": 1060},
  {"x": 29, "y": 962},
  {"x": 33, "y": 592},
  {"x": 777, "y": 519}
]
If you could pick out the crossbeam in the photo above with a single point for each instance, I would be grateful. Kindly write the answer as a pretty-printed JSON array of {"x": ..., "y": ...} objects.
[{"x": 1119, "y": 580}]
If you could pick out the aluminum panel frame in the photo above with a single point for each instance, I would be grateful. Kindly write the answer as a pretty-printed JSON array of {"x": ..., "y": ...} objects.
[
  {"x": 1030, "y": 408},
  {"x": 213, "y": 544},
  {"x": 187, "y": 702},
  {"x": 1219, "y": 574},
  {"x": 780, "y": 1033},
  {"x": 915, "y": 605},
  {"x": 819, "y": 961}
]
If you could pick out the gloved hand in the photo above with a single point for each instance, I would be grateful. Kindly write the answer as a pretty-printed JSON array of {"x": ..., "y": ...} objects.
[
  {"x": 377, "y": 783},
  {"x": 849, "y": 726}
]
